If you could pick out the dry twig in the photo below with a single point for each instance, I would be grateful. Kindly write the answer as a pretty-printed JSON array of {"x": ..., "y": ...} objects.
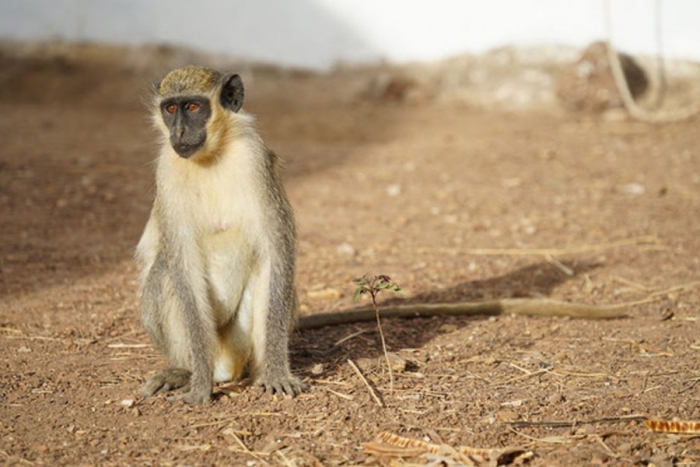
[
  {"x": 570, "y": 423},
  {"x": 673, "y": 426},
  {"x": 340, "y": 394},
  {"x": 245, "y": 448},
  {"x": 648, "y": 240},
  {"x": 121, "y": 345},
  {"x": 369, "y": 387},
  {"x": 391, "y": 445}
]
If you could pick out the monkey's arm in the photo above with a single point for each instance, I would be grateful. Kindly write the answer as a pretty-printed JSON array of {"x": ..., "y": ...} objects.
[
  {"x": 189, "y": 285},
  {"x": 518, "y": 306},
  {"x": 147, "y": 248}
]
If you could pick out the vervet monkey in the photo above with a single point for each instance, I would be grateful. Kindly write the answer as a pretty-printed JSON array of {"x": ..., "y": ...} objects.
[
  {"x": 218, "y": 252},
  {"x": 217, "y": 255}
]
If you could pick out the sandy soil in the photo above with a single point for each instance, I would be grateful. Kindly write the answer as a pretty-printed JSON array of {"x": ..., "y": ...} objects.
[{"x": 453, "y": 201}]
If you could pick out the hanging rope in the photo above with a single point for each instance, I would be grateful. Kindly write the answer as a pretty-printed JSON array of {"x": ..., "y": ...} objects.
[{"x": 623, "y": 88}]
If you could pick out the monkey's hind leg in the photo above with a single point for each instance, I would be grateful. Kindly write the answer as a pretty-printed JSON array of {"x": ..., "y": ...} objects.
[
  {"x": 167, "y": 380},
  {"x": 160, "y": 314},
  {"x": 273, "y": 312}
]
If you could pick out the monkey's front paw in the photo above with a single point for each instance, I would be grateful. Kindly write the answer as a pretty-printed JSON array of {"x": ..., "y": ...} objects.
[
  {"x": 167, "y": 380},
  {"x": 288, "y": 384}
]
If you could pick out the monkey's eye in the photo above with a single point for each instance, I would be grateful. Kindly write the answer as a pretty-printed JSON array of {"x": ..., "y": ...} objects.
[
  {"x": 193, "y": 106},
  {"x": 171, "y": 108}
]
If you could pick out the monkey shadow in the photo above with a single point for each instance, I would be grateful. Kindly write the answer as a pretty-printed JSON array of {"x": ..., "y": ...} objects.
[{"x": 332, "y": 346}]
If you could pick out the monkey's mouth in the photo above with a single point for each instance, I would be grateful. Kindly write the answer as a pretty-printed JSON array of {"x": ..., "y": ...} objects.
[{"x": 186, "y": 150}]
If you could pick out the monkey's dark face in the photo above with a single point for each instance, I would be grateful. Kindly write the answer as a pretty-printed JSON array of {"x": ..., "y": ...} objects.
[
  {"x": 186, "y": 118},
  {"x": 191, "y": 102}
]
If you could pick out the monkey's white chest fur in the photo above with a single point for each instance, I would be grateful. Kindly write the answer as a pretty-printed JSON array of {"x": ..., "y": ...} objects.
[{"x": 220, "y": 233}]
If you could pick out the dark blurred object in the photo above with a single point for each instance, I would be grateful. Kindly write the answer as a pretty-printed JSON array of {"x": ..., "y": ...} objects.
[{"x": 588, "y": 84}]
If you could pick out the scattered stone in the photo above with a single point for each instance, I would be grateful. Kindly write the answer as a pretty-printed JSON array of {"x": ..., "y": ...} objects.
[
  {"x": 393, "y": 190},
  {"x": 398, "y": 364},
  {"x": 633, "y": 189},
  {"x": 397, "y": 89},
  {"x": 346, "y": 249},
  {"x": 448, "y": 328}
]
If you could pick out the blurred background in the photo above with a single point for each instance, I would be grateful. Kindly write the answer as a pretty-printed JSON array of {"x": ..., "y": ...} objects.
[{"x": 320, "y": 33}]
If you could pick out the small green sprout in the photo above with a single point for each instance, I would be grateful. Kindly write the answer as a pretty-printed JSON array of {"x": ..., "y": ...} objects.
[{"x": 372, "y": 285}]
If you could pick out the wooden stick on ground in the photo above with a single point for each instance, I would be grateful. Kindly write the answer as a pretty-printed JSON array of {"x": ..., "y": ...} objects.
[{"x": 369, "y": 387}]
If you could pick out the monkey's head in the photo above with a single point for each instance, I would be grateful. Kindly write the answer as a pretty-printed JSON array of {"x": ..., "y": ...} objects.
[{"x": 195, "y": 104}]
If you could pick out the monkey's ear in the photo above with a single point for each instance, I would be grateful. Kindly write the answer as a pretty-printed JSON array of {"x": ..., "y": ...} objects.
[{"x": 232, "y": 93}]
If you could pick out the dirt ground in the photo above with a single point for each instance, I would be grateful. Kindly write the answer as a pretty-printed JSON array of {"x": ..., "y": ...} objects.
[{"x": 453, "y": 201}]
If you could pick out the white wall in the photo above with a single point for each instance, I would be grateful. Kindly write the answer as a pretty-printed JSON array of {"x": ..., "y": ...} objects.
[{"x": 319, "y": 33}]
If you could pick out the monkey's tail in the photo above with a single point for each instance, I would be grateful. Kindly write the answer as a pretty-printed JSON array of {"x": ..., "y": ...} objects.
[{"x": 518, "y": 306}]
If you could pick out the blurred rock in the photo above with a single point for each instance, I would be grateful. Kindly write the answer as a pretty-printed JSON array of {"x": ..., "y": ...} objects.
[
  {"x": 397, "y": 88},
  {"x": 588, "y": 84}
]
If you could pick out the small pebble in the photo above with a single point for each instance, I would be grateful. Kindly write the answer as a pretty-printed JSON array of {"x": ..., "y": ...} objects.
[
  {"x": 633, "y": 189},
  {"x": 346, "y": 249},
  {"x": 393, "y": 190}
]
